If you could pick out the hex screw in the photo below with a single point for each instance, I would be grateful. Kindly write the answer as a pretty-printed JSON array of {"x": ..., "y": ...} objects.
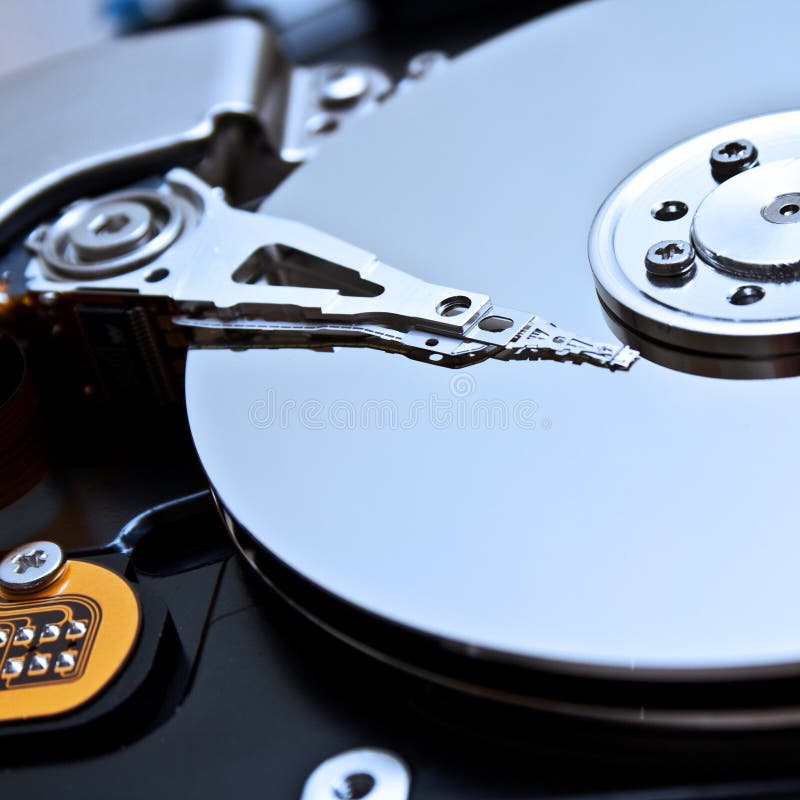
[
  {"x": 670, "y": 259},
  {"x": 731, "y": 158}
]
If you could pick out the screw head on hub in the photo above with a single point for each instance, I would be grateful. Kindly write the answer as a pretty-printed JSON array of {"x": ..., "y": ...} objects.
[
  {"x": 731, "y": 158},
  {"x": 670, "y": 259}
]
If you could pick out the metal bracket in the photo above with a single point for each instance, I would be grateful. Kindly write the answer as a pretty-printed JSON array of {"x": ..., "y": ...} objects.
[
  {"x": 147, "y": 103},
  {"x": 264, "y": 280}
]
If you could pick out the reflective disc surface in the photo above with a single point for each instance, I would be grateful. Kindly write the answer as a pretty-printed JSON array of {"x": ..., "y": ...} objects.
[{"x": 577, "y": 517}]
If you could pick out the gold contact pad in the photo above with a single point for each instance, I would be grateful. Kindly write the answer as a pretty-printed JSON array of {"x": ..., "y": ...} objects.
[{"x": 61, "y": 646}]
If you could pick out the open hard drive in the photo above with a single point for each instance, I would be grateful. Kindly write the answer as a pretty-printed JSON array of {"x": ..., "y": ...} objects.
[{"x": 421, "y": 436}]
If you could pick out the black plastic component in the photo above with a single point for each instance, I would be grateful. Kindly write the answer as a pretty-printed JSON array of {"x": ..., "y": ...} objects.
[
  {"x": 128, "y": 354},
  {"x": 24, "y": 455},
  {"x": 231, "y": 691}
]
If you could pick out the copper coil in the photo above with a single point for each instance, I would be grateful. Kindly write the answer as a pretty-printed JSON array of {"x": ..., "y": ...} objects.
[{"x": 24, "y": 456}]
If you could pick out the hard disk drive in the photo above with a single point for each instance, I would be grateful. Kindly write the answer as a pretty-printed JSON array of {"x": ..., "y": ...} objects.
[{"x": 411, "y": 438}]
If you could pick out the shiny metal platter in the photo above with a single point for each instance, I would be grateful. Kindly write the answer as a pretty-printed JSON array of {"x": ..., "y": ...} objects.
[
  {"x": 700, "y": 268},
  {"x": 572, "y": 521}
]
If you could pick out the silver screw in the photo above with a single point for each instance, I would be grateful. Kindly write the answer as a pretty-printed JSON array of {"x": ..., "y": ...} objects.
[
  {"x": 731, "y": 158},
  {"x": 31, "y": 566},
  {"x": 112, "y": 228},
  {"x": 424, "y": 63},
  {"x": 363, "y": 774},
  {"x": 670, "y": 259},
  {"x": 344, "y": 85}
]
